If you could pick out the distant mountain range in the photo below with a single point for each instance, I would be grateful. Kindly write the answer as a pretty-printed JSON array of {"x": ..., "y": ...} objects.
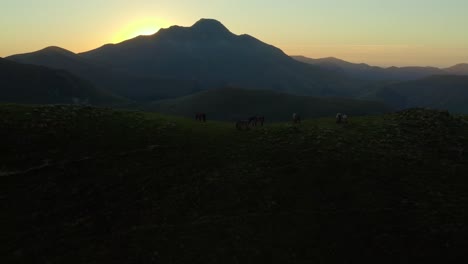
[
  {"x": 367, "y": 72},
  {"x": 21, "y": 83},
  {"x": 233, "y": 103},
  {"x": 180, "y": 61}
]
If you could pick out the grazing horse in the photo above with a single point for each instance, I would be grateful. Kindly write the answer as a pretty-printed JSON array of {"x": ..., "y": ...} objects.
[
  {"x": 200, "y": 117},
  {"x": 253, "y": 121},
  {"x": 261, "y": 119},
  {"x": 242, "y": 124},
  {"x": 296, "y": 118}
]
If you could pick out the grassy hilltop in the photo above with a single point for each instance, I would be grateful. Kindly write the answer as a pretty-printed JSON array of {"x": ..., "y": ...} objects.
[{"x": 89, "y": 185}]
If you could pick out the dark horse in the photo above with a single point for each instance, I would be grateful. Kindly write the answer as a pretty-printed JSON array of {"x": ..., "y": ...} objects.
[
  {"x": 250, "y": 122},
  {"x": 200, "y": 117},
  {"x": 261, "y": 119},
  {"x": 255, "y": 120},
  {"x": 242, "y": 124}
]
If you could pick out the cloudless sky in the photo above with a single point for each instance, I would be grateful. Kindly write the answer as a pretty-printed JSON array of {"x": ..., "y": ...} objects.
[{"x": 379, "y": 32}]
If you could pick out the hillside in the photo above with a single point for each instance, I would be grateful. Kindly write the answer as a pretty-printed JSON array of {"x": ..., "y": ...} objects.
[
  {"x": 459, "y": 69},
  {"x": 235, "y": 104},
  {"x": 22, "y": 83},
  {"x": 209, "y": 53},
  {"x": 366, "y": 72},
  {"x": 87, "y": 185},
  {"x": 441, "y": 92},
  {"x": 135, "y": 87}
]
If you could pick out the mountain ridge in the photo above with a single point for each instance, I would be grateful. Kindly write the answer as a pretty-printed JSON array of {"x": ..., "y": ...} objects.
[
  {"x": 369, "y": 72},
  {"x": 25, "y": 83},
  {"x": 134, "y": 87}
]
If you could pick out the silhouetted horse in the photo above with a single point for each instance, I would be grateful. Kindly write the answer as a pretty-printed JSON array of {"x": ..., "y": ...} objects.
[
  {"x": 261, "y": 119},
  {"x": 242, "y": 124},
  {"x": 200, "y": 117},
  {"x": 253, "y": 121}
]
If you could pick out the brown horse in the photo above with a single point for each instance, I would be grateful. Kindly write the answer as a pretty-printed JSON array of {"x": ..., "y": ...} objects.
[
  {"x": 242, "y": 125},
  {"x": 261, "y": 119},
  {"x": 255, "y": 120}
]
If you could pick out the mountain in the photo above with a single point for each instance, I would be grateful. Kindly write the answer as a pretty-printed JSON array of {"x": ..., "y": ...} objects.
[
  {"x": 179, "y": 61},
  {"x": 366, "y": 72},
  {"x": 441, "y": 92},
  {"x": 135, "y": 87},
  {"x": 459, "y": 69},
  {"x": 411, "y": 86},
  {"x": 22, "y": 83},
  {"x": 209, "y": 53},
  {"x": 335, "y": 64},
  {"x": 234, "y": 103}
]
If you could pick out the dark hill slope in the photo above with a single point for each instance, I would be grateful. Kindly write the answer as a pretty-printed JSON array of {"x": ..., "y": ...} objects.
[
  {"x": 441, "y": 92},
  {"x": 459, "y": 69},
  {"x": 234, "y": 103},
  {"x": 22, "y": 83},
  {"x": 209, "y": 53},
  {"x": 135, "y": 87},
  {"x": 96, "y": 186}
]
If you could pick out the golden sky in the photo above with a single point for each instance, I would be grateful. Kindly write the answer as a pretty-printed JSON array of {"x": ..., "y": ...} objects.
[{"x": 378, "y": 32}]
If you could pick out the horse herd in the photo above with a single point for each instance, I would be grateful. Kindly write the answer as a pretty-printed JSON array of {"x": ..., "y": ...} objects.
[{"x": 254, "y": 121}]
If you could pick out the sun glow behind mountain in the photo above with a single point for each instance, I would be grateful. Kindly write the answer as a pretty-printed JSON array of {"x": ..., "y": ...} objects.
[{"x": 141, "y": 27}]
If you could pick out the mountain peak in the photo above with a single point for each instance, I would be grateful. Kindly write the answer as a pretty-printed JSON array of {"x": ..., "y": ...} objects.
[
  {"x": 211, "y": 26},
  {"x": 55, "y": 49}
]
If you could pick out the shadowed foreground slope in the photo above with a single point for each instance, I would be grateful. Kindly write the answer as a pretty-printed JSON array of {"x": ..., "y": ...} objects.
[{"x": 86, "y": 185}]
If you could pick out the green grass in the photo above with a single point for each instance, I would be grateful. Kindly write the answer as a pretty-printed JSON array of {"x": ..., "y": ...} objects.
[{"x": 134, "y": 187}]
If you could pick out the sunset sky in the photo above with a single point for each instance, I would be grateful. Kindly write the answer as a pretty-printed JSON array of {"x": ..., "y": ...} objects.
[{"x": 378, "y": 32}]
